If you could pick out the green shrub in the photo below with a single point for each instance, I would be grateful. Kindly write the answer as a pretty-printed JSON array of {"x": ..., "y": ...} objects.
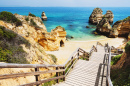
[
  {"x": 4, "y": 54},
  {"x": 53, "y": 58},
  {"x": 121, "y": 77},
  {"x": 32, "y": 22},
  {"x": 127, "y": 47},
  {"x": 7, "y": 33},
  {"x": 115, "y": 59},
  {"x": 10, "y": 49},
  {"x": 27, "y": 19},
  {"x": 10, "y": 18},
  {"x": 32, "y": 15},
  {"x": 127, "y": 19}
]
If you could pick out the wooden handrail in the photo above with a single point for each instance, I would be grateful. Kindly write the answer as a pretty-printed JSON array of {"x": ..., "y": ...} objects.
[
  {"x": 74, "y": 57},
  {"x": 7, "y": 76},
  {"x": 108, "y": 79},
  {"x": 11, "y": 65},
  {"x": 42, "y": 81},
  {"x": 93, "y": 49}
]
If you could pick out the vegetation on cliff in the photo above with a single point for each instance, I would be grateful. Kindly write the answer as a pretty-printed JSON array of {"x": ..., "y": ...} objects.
[
  {"x": 127, "y": 47},
  {"x": 10, "y": 18},
  {"x": 30, "y": 14},
  {"x": 115, "y": 59},
  {"x": 32, "y": 23},
  {"x": 121, "y": 75},
  {"x": 10, "y": 49}
]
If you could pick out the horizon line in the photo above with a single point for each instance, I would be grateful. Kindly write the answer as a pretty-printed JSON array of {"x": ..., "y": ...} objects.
[{"x": 35, "y": 6}]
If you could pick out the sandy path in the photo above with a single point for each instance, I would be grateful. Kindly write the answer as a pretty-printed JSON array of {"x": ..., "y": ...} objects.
[{"x": 70, "y": 46}]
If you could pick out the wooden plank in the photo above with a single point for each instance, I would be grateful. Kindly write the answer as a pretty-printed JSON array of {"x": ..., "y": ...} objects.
[
  {"x": 7, "y": 76},
  {"x": 11, "y": 65},
  {"x": 42, "y": 81}
]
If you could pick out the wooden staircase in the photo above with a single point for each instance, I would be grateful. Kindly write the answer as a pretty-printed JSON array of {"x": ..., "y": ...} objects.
[{"x": 86, "y": 73}]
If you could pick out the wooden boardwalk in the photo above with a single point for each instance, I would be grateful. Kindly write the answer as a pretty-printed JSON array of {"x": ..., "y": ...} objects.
[{"x": 88, "y": 73}]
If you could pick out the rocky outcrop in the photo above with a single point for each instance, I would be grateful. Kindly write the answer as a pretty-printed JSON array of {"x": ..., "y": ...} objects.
[
  {"x": 33, "y": 29},
  {"x": 104, "y": 27},
  {"x": 97, "y": 16},
  {"x": 43, "y": 16},
  {"x": 109, "y": 15},
  {"x": 120, "y": 28},
  {"x": 53, "y": 40}
]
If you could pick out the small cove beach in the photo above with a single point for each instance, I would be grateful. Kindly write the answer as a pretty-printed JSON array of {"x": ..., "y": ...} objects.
[{"x": 70, "y": 46}]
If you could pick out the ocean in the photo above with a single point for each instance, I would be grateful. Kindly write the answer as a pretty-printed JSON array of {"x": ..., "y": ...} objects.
[{"x": 73, "y": 19}]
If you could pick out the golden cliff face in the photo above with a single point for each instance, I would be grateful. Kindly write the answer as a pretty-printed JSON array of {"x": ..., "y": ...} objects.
[
  {"x": 53, "y": 40},
  {"x": 35, "y": 53},
  {"x": 49, "y": 41},
  {"x": 120, "y": 29}
]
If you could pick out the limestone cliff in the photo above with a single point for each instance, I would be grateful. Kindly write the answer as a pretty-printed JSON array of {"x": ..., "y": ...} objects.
[
  {"x": 120, "y": 28},
  {"x": 33, "y": 29},
  {"x": 19, "y": 44},
  {"x": 53, "y": 40},
  {"x": 97, "y": 16}
]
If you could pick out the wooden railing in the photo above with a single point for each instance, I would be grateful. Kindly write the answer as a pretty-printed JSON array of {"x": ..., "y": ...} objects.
[
  {"x": 98, "y": 43},
  {"x": 107, "y": 62},
  {"x": 65, "y": 68},
  {"x": 93, "y": 49}
]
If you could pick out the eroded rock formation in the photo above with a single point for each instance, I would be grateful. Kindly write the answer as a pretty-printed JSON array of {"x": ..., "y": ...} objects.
[
  {"x": 33, "y": 29},
  {"x": 43, "y": 16},
  {"x": 109, "y": 15},
  {"x": 120, "y": 28},
  {"x": 104, "y": 27},
  {"x": 97, "y": 16},
  {"x": 53, "y": 40}
]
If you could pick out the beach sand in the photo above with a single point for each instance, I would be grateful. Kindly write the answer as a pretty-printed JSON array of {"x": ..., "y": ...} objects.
[{"x": 70, "y": 46}]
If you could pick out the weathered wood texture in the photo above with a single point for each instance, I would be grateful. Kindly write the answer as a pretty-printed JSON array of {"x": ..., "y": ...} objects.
[{"x": 86, "y": 73}]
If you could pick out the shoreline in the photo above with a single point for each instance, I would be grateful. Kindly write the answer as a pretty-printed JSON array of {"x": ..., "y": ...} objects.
[{"x": 70, "y": 46}]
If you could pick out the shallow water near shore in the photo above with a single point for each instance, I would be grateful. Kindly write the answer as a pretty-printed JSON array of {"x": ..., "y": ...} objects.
[{"x": 73, "y": 19}]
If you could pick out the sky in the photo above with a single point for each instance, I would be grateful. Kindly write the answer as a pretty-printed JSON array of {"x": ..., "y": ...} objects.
[{"x": 64, "y": 3}]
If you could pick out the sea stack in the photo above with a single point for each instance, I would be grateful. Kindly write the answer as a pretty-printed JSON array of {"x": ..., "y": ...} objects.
[
  {"x": 43, "y": 16},
  {"x": 109, "y": 15},
  {"x": 104, "y": 27},
  {"x": 96, "y": 16}
]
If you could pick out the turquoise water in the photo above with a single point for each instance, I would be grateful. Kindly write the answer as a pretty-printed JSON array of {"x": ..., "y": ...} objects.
[{"x": 73, "y": 19}]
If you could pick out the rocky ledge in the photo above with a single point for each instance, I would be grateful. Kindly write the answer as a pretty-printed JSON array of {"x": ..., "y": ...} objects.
[
  {"x": 43, "y": 16},
  {"x": 33, "y": 29},
  {"x": 97, "y": 16},
  {"x": 120, "y": 28}
]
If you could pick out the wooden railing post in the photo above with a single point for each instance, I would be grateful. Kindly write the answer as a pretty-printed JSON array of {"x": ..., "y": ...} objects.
[
  {"x": 57, "y": 74},
  {"x": 78, "y": 54},
  {"x": 72, "y": 61},
  {"x": 37, "y": 76},
  {"x": 64, "y": 74}
]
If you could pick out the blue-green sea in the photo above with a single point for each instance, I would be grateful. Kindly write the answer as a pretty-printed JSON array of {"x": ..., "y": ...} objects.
[{"x": 73, "y": 19}]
